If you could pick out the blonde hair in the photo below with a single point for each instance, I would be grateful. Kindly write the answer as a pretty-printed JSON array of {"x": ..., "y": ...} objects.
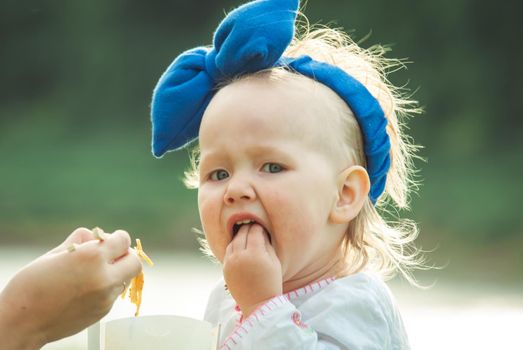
[{"x": 371, "y": 241}]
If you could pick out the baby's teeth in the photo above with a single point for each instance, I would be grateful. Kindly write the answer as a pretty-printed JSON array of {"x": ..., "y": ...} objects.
[{"x": 243, "y": 222}]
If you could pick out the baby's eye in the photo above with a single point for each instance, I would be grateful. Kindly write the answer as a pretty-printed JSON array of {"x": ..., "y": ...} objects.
[
  {"x": 272, "y": 168},
  {"x": 218, "y": 175}
]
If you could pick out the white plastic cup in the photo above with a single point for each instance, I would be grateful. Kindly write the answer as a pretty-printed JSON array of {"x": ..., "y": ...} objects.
[{"x": 158, "y": 332}]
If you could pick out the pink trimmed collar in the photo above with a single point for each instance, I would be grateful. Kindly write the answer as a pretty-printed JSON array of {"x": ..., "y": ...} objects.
[{"x": 309, "y": 288}]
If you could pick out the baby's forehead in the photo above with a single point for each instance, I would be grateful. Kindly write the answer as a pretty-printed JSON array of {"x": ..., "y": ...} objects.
[
  {"x": 283, "y": 98},
  {"x": 283, "y": 106}
]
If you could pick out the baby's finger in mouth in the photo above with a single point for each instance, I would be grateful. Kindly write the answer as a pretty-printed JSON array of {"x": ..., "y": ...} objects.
[{"x": 256, "y": 236}]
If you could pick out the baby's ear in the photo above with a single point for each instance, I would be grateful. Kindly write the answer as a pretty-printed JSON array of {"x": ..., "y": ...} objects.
[{"x": 353, "y": 189}]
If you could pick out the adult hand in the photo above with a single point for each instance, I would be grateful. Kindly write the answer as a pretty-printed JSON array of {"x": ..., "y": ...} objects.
[
  {"x": 251, "y": 268},
  {"x": 66, "y": 290}
]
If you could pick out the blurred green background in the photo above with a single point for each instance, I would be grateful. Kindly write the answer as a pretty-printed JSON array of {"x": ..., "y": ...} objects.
[{"x": 76, "y": 82}]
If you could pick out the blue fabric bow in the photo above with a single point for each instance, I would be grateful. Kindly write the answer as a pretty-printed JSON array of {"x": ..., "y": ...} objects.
[{"x": 251, "y": 38}]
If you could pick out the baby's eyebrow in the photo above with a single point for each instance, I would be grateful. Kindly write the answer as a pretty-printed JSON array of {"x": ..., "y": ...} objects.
[
  {"x": 265, "y": 149},
  {"x": 255, "y": 150},
  {"x": 210, "y": 157}
]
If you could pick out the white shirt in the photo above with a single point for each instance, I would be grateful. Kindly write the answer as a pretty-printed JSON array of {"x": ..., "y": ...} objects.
[{"x": 356, "y": 312}]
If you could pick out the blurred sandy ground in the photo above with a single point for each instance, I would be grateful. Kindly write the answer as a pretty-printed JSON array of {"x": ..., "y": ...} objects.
[{"x": 447, "y": 316}]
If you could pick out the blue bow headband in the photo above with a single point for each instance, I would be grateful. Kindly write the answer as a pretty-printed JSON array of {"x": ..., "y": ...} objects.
[{"x": 252, "y": 38}]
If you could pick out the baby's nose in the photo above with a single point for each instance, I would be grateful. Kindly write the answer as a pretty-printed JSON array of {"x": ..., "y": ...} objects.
[{"x": 239, "y": 190}]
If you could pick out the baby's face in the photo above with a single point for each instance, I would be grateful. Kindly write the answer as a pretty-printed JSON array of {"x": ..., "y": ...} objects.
[{"x": 264, "y": 158}]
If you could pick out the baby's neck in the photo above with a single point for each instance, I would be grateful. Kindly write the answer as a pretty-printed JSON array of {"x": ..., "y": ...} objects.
[{"x": 333, "y": 269}]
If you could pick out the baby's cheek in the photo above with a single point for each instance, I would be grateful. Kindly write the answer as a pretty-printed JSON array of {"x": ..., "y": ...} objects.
[
  {"x": 207, "y": 206},
  {"x": 209, "y": 211},
  {"x": 291, "y": 213}
]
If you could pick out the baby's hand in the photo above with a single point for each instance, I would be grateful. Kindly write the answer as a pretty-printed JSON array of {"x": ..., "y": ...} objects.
[{"x": 251, "y": 268}]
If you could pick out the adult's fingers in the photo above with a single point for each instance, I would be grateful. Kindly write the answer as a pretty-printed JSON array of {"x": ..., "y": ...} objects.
[
  {"x": 78, "y": 236},
  {"x": 116, "y": 244},
  {"x": 126, "y": 268}
]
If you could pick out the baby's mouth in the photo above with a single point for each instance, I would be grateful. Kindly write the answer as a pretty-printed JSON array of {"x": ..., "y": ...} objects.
[{"x": 236, "y": 228}]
